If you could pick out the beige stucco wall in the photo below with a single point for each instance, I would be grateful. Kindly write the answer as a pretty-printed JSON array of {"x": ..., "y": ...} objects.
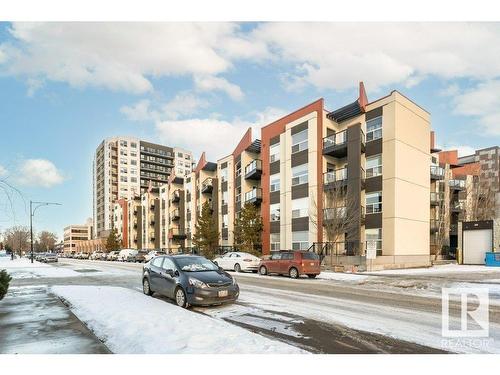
[{"x": 405, "y": 175}]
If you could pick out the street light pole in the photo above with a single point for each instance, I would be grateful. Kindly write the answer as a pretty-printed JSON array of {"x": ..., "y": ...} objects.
[{"x": 32, "y": 213}]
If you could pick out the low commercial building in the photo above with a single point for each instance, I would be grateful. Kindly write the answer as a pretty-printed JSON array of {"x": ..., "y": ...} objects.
[{"x": 76, "y": 233}]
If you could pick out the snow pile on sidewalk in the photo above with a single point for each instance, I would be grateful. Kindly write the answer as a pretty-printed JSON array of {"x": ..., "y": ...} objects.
[
  {"x": 22, "y": 268},
  {"x": 341, "y": 276},
  {"x": 439, "y": 269},
  {"x": 130, "y": 322}
]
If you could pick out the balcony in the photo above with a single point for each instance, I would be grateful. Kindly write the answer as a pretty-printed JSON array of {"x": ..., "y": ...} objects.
[
  {"x": 254, "y": 196},
  {"x": 176, "y": 196},
  {"x": 330, "y": 215},
  {"x": 175, "y": 215},
  {"x": 336, "y": 144},
  {"x": 453, "y": 228},
  {"x": 176, "y": 234},
  {"x": 253, "y": 170},
  {"x": 458, "y": 185},
  {"x": 434, "y": 226},
  {"x": 436, "y": 198},
  {"x": 335, "y": 179},
  {"x": 457, "y": 206},
  {"x": 207, "y": 186},
  {"x": 437, "y": 172}
]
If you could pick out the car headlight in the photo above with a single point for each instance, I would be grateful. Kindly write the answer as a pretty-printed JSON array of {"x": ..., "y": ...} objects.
[{"x": 197, "y": 283}]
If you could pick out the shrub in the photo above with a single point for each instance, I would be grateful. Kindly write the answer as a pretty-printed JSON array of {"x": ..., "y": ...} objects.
[{"x": 4, "y": 283}]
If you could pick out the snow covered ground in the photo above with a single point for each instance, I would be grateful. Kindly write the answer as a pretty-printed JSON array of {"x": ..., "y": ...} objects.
[
  {"x": 440, "y": 269},
  {"x": 324, "y": 275},
  {"x": 401, "y": 323},
  {"x": 130, "y": 322},
  {"x": 22, "y": 268}
]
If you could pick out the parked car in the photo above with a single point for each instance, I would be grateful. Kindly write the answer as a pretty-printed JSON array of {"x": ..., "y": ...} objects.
[
  {"x": 94, "y": 255},
  {"x": 238, "y": 262},
  {"x": 103, "y": 256},
  {"x": 189, "y": 280},
  {"x": 49, "y": 258},
  {"x": 84, "y": 255},
  {"x": 113, "y": 255},
  {"x": 152, "y": 254},
  {"x": 123, "y": 255},
  {"x": 291, "y": 263},
  {"x": 39, "y": 257},
  {"x": 131, "y": 256},
  {"x": 140, "y": 257}
]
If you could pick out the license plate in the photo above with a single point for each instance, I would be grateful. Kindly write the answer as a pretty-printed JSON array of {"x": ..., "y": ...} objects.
[{"x": 222, "y": 293}]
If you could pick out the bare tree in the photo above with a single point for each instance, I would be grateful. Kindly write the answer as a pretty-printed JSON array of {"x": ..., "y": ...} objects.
[
  {"x": 442, "y": 236},
  {"x": 341, "y": 215},
  {"x": 17, "y": 238},
  {"x": 481, "y": 201},
  {"x": 46, "y": 240}
]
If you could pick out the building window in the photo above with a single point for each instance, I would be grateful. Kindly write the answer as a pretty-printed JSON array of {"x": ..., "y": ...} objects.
[
  {"x": 123, "y": 143},
  {"x": 223, "y": 174},
  {"x": 275, "y": 241},
  {"x": 374, "y": 238},
  {"x": 133, "y": 162},
  {"x": 374, "y": 202},
  {"x": 225, "y": 197},
  {"x": 300, "y": 240},
  {"x": 274, "y": 152},
  {"x": 123, "y": 170},
  {"x": 238, "y": 195},
  {"x": 299, "y": 141},
  {"x": 275, "y": 182},
  {"x": 299, "y": 175},
  {"x": 133, "y": 179},
  {"x": 374, "y": 166},
  {"x": 275, "y": 212},
  {"x": 133, "y": 144},
  {"x": 300, "y": 208},
  {"x": 238, "y": 169},
  {"x": 374, "y": 129},
  {"x": 225, "y": 221},
  {"x": 123, "y": 178}
]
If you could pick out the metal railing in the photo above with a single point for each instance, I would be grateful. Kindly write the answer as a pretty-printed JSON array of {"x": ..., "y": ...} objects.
[
  {"x": 336, "y": 139},
  {"x": 335, "y": 176},
  {"x": 253, "y": 166},
  {"x": 437, "y": 171},
  {"x": 457, "y": 184},
  {"x": 253, "y": 194}
]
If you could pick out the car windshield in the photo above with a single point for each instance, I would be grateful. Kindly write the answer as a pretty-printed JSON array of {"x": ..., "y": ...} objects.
[{"x": 195, "y": 264}]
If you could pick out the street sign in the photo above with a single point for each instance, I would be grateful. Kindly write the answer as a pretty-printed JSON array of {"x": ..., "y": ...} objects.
[{"x": 371, "y": 249}]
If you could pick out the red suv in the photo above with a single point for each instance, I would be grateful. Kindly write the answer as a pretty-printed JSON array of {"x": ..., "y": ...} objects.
[{"x": 292, "y": 263}]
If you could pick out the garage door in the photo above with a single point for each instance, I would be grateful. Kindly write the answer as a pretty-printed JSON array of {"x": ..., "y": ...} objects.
[{"x": 476, "y": 244}]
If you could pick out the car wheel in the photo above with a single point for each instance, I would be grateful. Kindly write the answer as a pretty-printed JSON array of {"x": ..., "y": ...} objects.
[
  {"x": 311, "y": 276},
  {"x": 146, "y": 287},
  {"x": 293, "y": 273},
  {"x": 263, "y": 270},
  {"x": 180, "y": 297},
  {"x": 237, "y": 268}
]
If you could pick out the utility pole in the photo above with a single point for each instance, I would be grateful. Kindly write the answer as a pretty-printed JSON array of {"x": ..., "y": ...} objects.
[{"x": 32, "y": 213}]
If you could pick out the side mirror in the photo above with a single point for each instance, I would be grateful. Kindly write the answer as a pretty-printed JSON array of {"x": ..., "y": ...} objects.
[
  {"x": 170, "y": 272},
  {"x": 176, "y": 273}
]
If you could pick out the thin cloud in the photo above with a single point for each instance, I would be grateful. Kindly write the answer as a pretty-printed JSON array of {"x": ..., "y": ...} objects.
[{"x": 39, "y": 173}]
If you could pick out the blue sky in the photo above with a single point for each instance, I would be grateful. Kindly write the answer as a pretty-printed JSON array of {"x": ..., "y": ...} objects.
[{"x": 65, "y": 87}]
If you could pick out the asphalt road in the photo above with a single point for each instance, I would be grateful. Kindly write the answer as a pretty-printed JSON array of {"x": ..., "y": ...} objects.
[{"x": 322, "y": 316}]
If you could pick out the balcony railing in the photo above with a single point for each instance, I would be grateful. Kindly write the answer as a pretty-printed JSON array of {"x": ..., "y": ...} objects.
[
  {"x": 434, "y": 225},
  {"x": 254, "y": 196},
  {"x": 336, "y": 144},
  {"x": 176, "y": 196},
  {"x": 436, "y": 198},
  {"x": 176, "y": 233},
  {"x": 207, "y": 185},
  {"x": 437, "y": 172},
  {"x": 253, "y": 170},
  {"x": 456, "y": 184},
  {"x": 458, "y": 206},
  {"x": 175, "y": 215},
  {"x": 338, "y": 175}
]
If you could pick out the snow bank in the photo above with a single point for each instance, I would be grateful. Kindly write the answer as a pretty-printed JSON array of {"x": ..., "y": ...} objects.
[
  {"x": 438, "y": 269},
  {"x": 324, "y": 275},
  {"x": 130, "y": 322},
  {"x": 22, "y": 268}
]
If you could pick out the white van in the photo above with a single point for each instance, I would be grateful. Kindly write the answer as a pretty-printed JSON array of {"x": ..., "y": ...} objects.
[{"x": 125, "y": 253}]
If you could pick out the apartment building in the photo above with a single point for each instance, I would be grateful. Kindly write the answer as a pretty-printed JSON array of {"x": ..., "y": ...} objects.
[
  {"x": 76, "y": 233},
  {"x": 150, "y": 219},
  {"x": 200, "y": 187},
  {"x": 377, "y": 153},
  {"x": 238, "y": 184},
  {"x": 134, "y": 223},
  {"x": 125, "y": 167},
  {"x": 173, "y": 214}
]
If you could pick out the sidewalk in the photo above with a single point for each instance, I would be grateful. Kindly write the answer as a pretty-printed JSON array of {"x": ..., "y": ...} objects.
[{"x": 33, "y": 321}]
